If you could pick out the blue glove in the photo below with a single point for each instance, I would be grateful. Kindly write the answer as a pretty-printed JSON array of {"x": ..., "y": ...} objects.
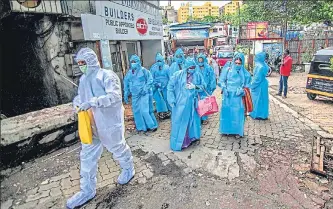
[
  {"x": 239, "y": 92},
  {"x": 84, "y": 106}
]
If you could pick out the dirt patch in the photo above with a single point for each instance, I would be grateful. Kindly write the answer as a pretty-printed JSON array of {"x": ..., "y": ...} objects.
[{"x": 171, "y": 169}]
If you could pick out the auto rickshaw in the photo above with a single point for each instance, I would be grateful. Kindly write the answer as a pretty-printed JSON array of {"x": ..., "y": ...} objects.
[{"x": 320, "y": 77}]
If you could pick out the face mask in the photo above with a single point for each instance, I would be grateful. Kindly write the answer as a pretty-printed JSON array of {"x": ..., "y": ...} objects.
[
  {"x": 179, "y": 60},
  {"x": 83, "y": 68},
  {"x": 134, "y": 65},
  {"x": 201, "y": 64},
  {"x": 238, "y": 67},
  {"x": 160, "y": 63}
]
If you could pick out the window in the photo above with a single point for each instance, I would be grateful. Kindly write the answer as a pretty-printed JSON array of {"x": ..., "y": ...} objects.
[
  {"x": 220, "y": 29},
  {"x": 225, "y": 54},
  {"x": 214, "y": 30}
]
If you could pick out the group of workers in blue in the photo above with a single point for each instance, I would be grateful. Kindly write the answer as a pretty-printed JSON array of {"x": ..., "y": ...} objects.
[{"x": 176, "y": 90}]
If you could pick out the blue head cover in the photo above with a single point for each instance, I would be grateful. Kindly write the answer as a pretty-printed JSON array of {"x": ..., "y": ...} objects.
[
  {"x": 135, "y": 62},
  {"x": 260, "y": 57},
  {"x": 90, "y": 57},
  {"x": 159, "y": 59},
  {"x": 204, "y": 60},
  {"x": 240, "y": 56},
  {"x": 190, "y": 65},
  {"x": 179, "y": 56}
]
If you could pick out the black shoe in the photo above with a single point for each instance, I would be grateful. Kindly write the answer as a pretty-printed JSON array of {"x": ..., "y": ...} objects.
[
  {"x": 278, "y": 94},
  {"x": 152, "y": 130}
]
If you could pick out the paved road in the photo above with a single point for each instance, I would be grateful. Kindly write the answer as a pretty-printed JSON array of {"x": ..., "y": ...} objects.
[
  {"x": 268, "y": 168},
  {"x": 319, "y": 110}
]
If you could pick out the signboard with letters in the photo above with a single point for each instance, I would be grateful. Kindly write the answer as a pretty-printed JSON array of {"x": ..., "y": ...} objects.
[
  {"x": 118, "y": 20},
  {"x": 190, "y": 34}
]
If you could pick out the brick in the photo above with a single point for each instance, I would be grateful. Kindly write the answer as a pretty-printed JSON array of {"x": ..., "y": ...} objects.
[
  {"x": 55, "y": 192},
  {"x": 28, "y": 205},
  {"x": 75, "y": 174},
  {"x": 38, "y": 196},
  {"x": 65, "y": 183},
  {"x": 58, "y": 178},
  {"x": 49, "y": 186}
]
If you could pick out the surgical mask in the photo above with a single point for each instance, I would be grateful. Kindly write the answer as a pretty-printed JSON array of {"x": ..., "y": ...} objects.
[
  {"x": 201, "y": 64},
  {"x": 179, "y": 60},
  {"x": 134, "y": 65},
  {"x": 238, "y": 67},
  {"x": 159, "y": 63},
  {"x": 83, "y": 68}
]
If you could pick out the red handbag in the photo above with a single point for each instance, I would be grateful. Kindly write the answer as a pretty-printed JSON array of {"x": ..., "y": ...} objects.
[
  {"x": 207, "y": 106},
  {"x": 247, "y": 100}
]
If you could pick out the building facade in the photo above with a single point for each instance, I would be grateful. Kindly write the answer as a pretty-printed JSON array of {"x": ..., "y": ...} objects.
[
  {"x": 48, "y": 38},
  {"x": 196, "y": 12},
  {"x": 170, "y": 14},
  {"x": 232, "y": 7}
]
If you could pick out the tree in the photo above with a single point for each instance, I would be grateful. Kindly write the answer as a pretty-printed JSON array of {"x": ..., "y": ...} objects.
[
  {"x": 165, "y": 21},
  {"x": 292, "y": 11}
]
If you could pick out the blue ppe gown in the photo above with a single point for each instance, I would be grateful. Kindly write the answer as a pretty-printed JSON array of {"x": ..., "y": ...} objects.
[
  {"x": 138, "y": 83},
  {"x": 209, "y": 76},
  {"x": 185, "y": 121},
  {"x": 101, "y": 89},
  {"x": 178, "y": 64},
  {"x": 259, "y": 88},
  {"x": 160, "y": 73},
  {"x": 232, "y": 81}
]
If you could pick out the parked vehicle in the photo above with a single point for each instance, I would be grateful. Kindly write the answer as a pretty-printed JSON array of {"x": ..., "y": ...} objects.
[
  {"x": 222, "y": 57},
  {"x": 320, "y": 77}
]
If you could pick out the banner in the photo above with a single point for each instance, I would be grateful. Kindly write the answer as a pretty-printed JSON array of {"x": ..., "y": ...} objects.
[
  {"x": 114, "y": 21},
  {"x": 257, "y": 30},
  {"x": 190, "y": 34}
]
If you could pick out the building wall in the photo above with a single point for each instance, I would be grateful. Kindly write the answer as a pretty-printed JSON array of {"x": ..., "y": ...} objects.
[
  {"x": 148, "y": 55},
  {"x": 232, "y": 7},
  {"x": 183, "y": 13},
  {"x": 207, "y": 9}
]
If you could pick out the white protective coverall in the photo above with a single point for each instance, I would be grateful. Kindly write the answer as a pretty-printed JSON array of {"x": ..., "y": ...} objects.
[{"x": 100, "y": 90}]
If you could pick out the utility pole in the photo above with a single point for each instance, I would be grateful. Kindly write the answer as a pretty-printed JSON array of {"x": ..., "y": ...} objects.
[{"x": 239, "y": 20}]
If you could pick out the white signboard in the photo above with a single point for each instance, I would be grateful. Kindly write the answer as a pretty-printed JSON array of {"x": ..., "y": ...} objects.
[{"x": 114, "y": 21}]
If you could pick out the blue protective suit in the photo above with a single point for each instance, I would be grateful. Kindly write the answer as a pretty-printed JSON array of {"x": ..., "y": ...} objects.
[
  {"x": 138, "y": 83},
  {"x": 259, "y": 88},
  {"x": 185, "y": 121},
  {"x": 101, "y": 90},
  {"x": 178, "y": 64},
  {"x": 232, "y": 80},
  {"x": 160, "y": 73},
  {"x": 209, "y": 76}
]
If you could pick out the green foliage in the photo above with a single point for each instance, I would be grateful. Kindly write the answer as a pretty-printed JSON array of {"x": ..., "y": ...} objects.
[
  {"x": 307, "y": 57},
  {"x": 165, "y": 21},
  {"x": 331, "y": 61},
  {"x": 293, "y": 11}
]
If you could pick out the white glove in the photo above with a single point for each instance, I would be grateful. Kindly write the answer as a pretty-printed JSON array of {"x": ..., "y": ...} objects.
[{"x": 190, "y": 86}]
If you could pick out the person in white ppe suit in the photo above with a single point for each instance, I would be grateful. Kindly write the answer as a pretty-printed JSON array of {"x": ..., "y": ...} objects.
[{"x": 100, "y": 91}]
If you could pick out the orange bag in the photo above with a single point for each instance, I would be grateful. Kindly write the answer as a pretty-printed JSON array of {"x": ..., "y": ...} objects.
[{"x": 247, "y": 100}]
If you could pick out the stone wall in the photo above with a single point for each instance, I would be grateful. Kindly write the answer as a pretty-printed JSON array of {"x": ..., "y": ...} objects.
[{"x": 34, "y": 134}]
